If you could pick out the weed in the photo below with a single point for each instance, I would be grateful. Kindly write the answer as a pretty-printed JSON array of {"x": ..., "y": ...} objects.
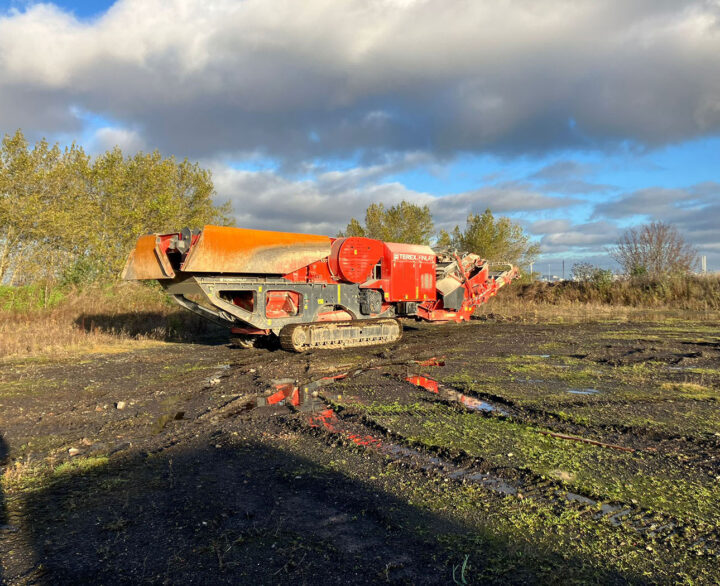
[{"x": 462, "y": 569}]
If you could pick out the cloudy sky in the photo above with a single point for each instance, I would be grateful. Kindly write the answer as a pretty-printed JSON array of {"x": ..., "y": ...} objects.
[{"x": 577, "y": 118}]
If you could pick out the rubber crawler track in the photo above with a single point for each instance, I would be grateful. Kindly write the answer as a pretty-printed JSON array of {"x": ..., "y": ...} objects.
[{"x": 349, "y": 334}]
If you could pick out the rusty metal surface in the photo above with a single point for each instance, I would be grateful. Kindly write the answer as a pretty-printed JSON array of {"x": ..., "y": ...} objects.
[
  {"x": 147, "y": 261},
  {"x": 222, "y": 249}
]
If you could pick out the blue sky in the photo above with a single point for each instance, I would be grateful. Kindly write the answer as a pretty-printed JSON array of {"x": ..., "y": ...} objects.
[
  {"x": 81, "y": 8},
  {"x": 575, "y": 120}
]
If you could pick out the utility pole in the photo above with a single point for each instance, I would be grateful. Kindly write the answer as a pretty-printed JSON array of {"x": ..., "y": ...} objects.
[
  {"x": 703, "y": 260},
  {"x": 563, "y": 269},
  {"x": 531, "y": 270}
]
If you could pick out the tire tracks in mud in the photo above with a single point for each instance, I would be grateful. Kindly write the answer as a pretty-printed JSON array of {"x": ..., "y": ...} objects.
[
  {"x": 700, "y": 452},
  {"x": 336, "y": 424},
  {"x": 641, "y": 439},
  {"x": 340, "y": 425}
]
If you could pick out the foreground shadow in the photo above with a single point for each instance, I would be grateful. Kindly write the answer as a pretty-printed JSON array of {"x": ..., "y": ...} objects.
[
  {"x": 3, "y": 510},
  {"x": 253, "y": 514},
  {"x": 172, "y": 327}
]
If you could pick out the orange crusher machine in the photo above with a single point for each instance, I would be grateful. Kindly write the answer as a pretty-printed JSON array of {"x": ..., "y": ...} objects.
[{"x": 313, "y": 291}]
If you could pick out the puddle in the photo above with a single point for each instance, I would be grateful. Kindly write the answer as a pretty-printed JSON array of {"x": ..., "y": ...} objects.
[
  {"x": 287, "y": 393},
  {"x": 471, "y": 403},
  {"x": 323, "y": 417},
  {"x": 428, "y": 463},
  {"x": 493, "y": 483},
  {"x": 578, "y": 498},
  {"x": 426, "y": 383},
  {"x": 306, "y": 400},
  {"x": 477, "y": 404},
  {"x": 218, "y": 375},
  {"x": 162, "y": 421},
  {"x": 538, "y": 355},
  {"x": 532, "y": 381},
  {"x": 423, "y": 461},
  {"x": 583, "y": 391},
  {"x": 328, "y": 420}
]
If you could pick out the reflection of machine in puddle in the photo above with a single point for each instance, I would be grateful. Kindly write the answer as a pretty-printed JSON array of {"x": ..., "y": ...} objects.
[
  {"x": 451, "y": 395},
  {"x": 426, "y": 383},
  {"x": 287, "y": 393},
  {"x": 305, "y": 399}
]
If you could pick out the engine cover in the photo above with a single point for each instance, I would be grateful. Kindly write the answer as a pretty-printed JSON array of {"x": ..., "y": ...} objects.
[{"x": 353, "y": 259}]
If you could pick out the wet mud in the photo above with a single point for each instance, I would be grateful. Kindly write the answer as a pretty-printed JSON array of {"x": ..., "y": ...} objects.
[{"x": 521, "y": 452}]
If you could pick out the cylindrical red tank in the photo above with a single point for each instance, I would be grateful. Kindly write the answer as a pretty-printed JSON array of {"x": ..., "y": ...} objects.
[{"x": 352, "y": 259}]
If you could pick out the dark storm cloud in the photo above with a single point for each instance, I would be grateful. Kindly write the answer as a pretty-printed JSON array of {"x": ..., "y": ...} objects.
[{"x": 342, "y": 78}]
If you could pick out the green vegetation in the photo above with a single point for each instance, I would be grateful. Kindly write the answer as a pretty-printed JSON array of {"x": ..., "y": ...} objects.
[
  {"x": 30, "y": 297},
  {"x": 496, "y": 239},
  {"x": 69, "y": 217},
  {"x": 81, "y": 465},
  {"x": 603, "y": 473},
  {"x": 404, "y": 222},
  {"x": 587, "y": 273},
  {"x": 653, "y": 518}
]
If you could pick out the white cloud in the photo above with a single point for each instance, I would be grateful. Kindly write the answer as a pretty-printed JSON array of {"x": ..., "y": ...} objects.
[
  {"x": 592, "y": 236},
  {"x": 334, "y": 78},
  {"x": 392, "y": 84},
  {"x": 108, "y": 137},
  {"x": 326, "y": 202}
]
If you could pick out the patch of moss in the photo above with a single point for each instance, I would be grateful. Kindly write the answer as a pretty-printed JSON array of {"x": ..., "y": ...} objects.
[
  {"x": 651, "y": 480},
  {"x": 80, "y": 464}
]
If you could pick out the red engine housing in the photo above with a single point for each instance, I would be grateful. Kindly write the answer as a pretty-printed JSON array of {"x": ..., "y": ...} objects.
[
  {"x": 407, "y": 273},
  {"x": 353, "y": 259}
]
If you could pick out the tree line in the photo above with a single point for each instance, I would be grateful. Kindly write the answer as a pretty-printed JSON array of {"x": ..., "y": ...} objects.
[
  {"x": 70, "y": 217},
  {"x": 67, "y": 216},
  {"x": 655, "y": 250},
  {"x": 496, "y": 239}
]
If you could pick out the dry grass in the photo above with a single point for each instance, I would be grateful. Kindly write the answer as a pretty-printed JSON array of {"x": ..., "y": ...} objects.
[
  {"x": 509, "y": 306},
  {"x": 699, "y": 293},
  {"x": 123, "y": 316},
  {"x": 692, "y": 297},
  {"x": 97, "y": 319}
]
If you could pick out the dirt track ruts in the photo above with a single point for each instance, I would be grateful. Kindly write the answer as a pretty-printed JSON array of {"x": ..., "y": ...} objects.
[{"x": 192, "y": 481}]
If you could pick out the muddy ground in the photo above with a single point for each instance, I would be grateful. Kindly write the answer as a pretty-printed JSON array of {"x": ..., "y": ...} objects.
[{"x": 515, "y": 453}]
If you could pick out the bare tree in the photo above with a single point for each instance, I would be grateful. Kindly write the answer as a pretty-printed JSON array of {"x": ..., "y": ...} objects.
[{"x": 656, "y": 249}]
